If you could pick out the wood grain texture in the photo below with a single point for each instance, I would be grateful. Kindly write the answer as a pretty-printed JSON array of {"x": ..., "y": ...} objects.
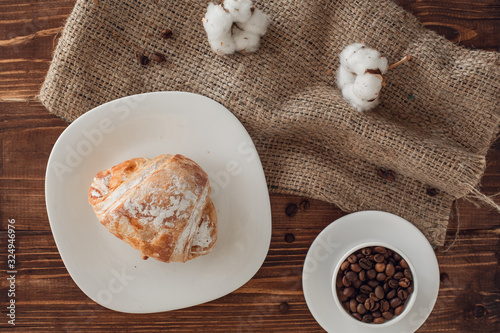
[{"x": 49, "y": 301}]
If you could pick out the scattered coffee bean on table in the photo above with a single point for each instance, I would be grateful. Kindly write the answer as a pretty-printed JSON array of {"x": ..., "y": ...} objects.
[
  {"x": 159, "y": 57},
  {"x": 374, "y": 283},
  {"x": 166, "y": 34}
]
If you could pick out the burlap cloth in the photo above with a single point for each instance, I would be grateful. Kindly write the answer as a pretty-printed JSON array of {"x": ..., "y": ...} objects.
[{"x": 438, "y": 117}]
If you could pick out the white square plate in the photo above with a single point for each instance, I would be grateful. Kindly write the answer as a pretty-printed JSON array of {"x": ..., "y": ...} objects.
[{"x": 108, "y": 270}]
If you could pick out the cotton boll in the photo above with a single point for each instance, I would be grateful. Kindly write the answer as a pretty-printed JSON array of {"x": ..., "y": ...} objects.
[
  {"x": 344, "y": 77},
  {"x": 360, "y": 59},
  {"x": 358, "y": 103},
  {"x": 348, "y": 51},
  {"x": 236, "y": 27},
  {"x": 223, "y": 45},
  {"x": 367, "y": 86},
  {"x": 240, "y": 10},
  {"x": 217, "y": 22},
  {"x": 257, "y": 23},
  {"x": 245, "y": 40}
]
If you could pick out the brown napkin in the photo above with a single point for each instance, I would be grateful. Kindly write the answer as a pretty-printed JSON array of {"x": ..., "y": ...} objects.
[{"x": 438, "y": 116}]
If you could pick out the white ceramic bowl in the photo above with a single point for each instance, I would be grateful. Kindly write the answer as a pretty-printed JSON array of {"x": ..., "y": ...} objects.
[{"x": 408, "y": 303}]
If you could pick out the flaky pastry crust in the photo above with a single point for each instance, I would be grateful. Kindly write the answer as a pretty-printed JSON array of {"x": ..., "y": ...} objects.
[{"x": 161, "y": 207}]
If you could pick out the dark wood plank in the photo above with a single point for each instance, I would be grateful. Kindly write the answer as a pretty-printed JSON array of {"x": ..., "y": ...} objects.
[
  {"x": 28, "y": 31},
  {"x": 48, "y": 300},
  {"x": 473, "y": 24}
]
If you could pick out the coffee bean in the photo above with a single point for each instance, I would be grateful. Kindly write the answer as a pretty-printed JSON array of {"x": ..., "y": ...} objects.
[
  {"x": 356, "y": 284},
  {"x": 380, "y": 267},
  {"x": 342, "y": 297},
  {"x": 408, "y": 274},
  {"x": 367, "y": 318},
  {"x": 338, "y": 282},
  {"x": 357, "y": 316},
  {"x": 143, "y": 59},
  {"x": 376, "y": 314},
  {"x": 353, "y": 304},
  {"x": 402, "y": 293},
  {"x": 378, "y": 320},
  {"x": 352, "y": 258},
  {"x": 410, "y": 289},
  {"x": 355, "y": 267},
  {"x": 404, "y": 282},
  {"x": 387, "y": 315},
  {"x": 393, "y": 283},
  {"x": 290, "y": 238},
  {"x": 398, "y": 275},
  {"x": 346, "y": 282},
  {"x": 291, "y": 210},
  {"x": 391, "y": 294},
  {"x": 361, "y": 309},
  {"x": 380, "y": 249},
  {"x": 365, "y": 289},
  {"x": 166, "y": 33},
  {"x": 384, "y": 305},
  {"x": 403, "y": 263},
  {"x": 372, "y": 283},
  {"x": 361, "y": 298},
  {"x": 371, "y": 274},
  {"x": 349, "y": 291},
  {"x": 399, "y": 310},
  {"x": 369, "y": 304},
  {"x": 395, "y": 302},
  {"x": 305, "y": 204},
  {"x": 388, "y": 253},
  {"x": 379, "y": 292},
  {"x": 373, "y": 297},
  {"x": 158, "y": 57},
  {"x": 390, "y": 270},
  {"x": 284, "y": 307},
  {"x": 381, "y": 173},
  {"x": 390, "y": 175},
  {"x": 479, "y": 311},
  {"x": 366, "y": 251},
  {"x": 378, "y": 258},
  {"x": 365, "y": 263},
  {"x": 345, "y": 265},
  {"x": 351, "y": 276},
  {"x": 362, "y": 276},
  {"x": 432, "y": 192},
  {"x": 381, "y": 277},
  {"x": 345, "y": 305}
]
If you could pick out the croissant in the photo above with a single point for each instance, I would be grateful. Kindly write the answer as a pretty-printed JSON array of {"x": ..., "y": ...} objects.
[{"x": 161, "y": 207}]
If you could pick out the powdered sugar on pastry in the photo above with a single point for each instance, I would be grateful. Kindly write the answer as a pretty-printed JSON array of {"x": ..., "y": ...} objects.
[
  {"x": 160, "y": 210},
  {"x": 202, "y": 236},
  {"x": 100, "y": 186}
]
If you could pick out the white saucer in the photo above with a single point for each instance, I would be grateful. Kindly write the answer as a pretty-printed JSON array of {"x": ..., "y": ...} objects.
[
  {"x": 350, "y": 231},
  {"x": 107, "y": 269}
]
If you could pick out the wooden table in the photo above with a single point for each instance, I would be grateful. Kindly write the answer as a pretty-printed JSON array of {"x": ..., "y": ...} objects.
[{"x": 46, "y": 297}]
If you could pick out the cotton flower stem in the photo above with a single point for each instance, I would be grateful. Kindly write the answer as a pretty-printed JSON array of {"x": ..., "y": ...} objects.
[{"x": 396, "y": 64}]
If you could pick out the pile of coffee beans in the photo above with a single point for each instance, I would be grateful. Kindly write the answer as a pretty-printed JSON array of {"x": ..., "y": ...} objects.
[{"x": 374, "y": 283}]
